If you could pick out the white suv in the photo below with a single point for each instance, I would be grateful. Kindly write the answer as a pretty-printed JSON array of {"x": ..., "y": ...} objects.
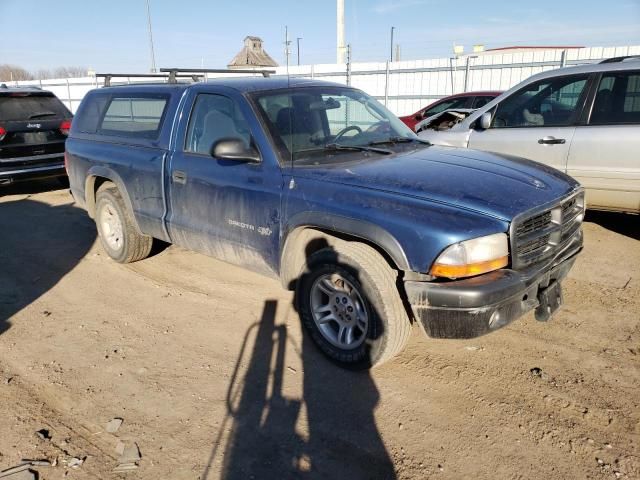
[{"x": 584, "y": 121}]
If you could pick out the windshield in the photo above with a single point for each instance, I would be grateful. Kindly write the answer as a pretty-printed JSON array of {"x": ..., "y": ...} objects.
[{"x": 308, "y": 122}]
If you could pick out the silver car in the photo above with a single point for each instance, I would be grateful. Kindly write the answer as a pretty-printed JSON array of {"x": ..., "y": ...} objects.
[{"x": 584, "y": 121}]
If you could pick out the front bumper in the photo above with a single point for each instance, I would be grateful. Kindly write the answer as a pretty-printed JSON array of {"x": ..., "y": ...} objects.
[{"x": 475, "y": 306}]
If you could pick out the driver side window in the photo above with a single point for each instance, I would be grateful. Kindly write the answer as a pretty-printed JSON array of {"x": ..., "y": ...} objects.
[
  {"x": 213, "y": 118},
  {"x": 547, "y": 103},
  {"x": 350, "y": 113}
]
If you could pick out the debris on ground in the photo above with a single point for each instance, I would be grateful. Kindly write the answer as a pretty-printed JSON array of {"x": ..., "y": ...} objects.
[
  {"x": 473, "y": 348},
  {"x": 113, "y": 425},
  {"x": 43, "y": 434},
  {"x": 538, "y": 372},
  {"x": 129, "y": 457},
  {"x": 75, "y": 462},
  {"x": 24, "y": 471},
  {"x": 22, "y": 474}
]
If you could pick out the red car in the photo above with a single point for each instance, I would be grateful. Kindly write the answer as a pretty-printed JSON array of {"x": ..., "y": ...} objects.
[{"x": 459, "y": 100}]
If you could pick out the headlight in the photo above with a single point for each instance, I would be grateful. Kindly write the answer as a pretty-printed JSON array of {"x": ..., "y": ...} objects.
[{"x": 472, "y": 257}]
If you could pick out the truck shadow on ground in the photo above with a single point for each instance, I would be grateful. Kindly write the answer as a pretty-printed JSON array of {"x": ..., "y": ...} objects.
[
  {"x": 268, "y": 438},
  {"x": 622, "y": 223},
  {"x": 39, "y": 245}
]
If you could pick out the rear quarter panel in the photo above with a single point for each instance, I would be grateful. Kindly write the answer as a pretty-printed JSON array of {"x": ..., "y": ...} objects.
[{"x": 134, "y": 164}]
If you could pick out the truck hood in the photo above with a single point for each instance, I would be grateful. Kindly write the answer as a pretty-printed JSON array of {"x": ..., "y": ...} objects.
[{"x": 497, "y": 185}]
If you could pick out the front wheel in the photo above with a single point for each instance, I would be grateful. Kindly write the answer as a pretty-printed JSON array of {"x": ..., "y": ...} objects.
[
  {"x": 118, "y": 234},
  {"x": 350, "y": 305}
]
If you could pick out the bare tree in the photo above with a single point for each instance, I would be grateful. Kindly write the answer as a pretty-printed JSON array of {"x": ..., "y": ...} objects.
[
  {"x": 69, "y": 72},
  {"x": 43, "y": 74},
  {"x": 14, "y": 72}
]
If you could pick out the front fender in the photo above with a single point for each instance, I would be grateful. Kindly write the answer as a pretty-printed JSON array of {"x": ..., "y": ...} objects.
[{"x": 292, "y": 255}]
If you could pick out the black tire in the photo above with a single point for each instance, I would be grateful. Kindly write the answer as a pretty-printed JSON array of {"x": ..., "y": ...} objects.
[
  {"x": 389, "y": 326},
  {"x": 133, "y": 246}
]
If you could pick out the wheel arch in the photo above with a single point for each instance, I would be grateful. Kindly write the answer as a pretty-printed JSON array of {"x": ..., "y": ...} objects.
[
  {"x": 306, "y": 237},
  {"x": 96, "y": 176}
]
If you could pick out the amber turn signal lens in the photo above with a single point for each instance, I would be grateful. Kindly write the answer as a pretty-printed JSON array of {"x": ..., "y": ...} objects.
[{"x": 460, "y": 271}]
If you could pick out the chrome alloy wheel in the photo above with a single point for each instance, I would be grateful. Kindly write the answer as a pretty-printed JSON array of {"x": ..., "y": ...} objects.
[
  {"x": 111, "y": 226},
  {"x": 339, "y": 311}
]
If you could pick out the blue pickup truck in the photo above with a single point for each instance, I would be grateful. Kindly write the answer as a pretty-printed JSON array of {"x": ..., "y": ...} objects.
[{"x": 319, "y": 185}]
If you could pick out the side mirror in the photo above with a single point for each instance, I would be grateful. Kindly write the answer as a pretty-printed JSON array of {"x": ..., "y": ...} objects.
[
  {"x": 418, "y": 117},
  {"x": 235, "y": 149},
  {"x": 485, "y": 120}
]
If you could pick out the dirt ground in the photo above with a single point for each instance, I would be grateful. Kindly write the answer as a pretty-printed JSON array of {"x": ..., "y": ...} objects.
[{"x": 207, "y": 366}]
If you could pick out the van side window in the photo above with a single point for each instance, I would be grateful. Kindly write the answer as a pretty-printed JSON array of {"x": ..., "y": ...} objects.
[
  {"x": 213, "y": 118},
  {"x": 617, "y": 100},
  {"x": 134, "y": 116},
  {"x": 547, "y": 103}
]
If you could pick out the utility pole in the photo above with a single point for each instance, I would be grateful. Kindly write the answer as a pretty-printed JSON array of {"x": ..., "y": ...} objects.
[
  {"x": 391, "y": 49},
  {"x": 340, "y": 31},
  {"x": 348, "y": 67},
  {"x": 153, "y": 55},
  {"x": 287, "y": 42},
  {"x": 298, "y": 42}
]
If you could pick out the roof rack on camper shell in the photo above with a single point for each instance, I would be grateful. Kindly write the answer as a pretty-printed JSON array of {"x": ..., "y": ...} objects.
[
  {"x": 175, "y": 72},
  {"x": 108, "y": 76},
  {"x": 172, "y": 74}
]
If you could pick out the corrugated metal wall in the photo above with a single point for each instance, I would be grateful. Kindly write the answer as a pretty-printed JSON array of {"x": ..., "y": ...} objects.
[{"x": 409, "y": 85}]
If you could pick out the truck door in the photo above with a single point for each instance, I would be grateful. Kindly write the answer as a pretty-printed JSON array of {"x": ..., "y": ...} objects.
[
  {"x": 224, "y": 208},
  {"x": 604, "y": 152},
  {"x": 536, "y": 122}
]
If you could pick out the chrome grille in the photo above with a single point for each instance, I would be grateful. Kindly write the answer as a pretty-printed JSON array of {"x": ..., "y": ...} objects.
[
  {"x": 534, "y": 245},
  {"x": 534, "y": 224},
  {"x": 540, "y": 234}
]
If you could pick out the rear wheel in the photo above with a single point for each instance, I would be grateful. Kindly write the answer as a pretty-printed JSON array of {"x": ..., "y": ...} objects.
[
  {"x": 118, "y": 234},
  {"x": 349, "y": 303}
]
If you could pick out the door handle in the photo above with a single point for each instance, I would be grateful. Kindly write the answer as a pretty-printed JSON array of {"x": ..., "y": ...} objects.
[
  {"x": 178, "y": 176},
  {"x": 551, "y": 141}
]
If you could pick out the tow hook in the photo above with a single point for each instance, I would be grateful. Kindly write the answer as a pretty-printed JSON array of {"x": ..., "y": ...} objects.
[{"x": 549, "y": 300}]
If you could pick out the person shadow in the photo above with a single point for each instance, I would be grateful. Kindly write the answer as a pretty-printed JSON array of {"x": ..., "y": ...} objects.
[
  {"x": 267, "y": 438},
  {"x": 39, "y": 244}
]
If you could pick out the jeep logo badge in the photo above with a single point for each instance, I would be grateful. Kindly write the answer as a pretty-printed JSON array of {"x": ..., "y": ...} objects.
[{"x": 34, "y": 125}]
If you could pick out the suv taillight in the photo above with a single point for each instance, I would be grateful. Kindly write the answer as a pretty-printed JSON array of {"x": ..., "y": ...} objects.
[
  {"x": 65, "y": 126},
  {"x": 3, "y": 132}
]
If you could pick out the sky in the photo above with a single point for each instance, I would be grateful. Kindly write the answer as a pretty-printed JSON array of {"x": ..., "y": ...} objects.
[{"x": 112, "y": 35}]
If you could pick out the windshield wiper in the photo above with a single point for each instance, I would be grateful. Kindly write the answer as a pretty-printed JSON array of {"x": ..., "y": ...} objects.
[
  {"x": 357, "y": 148},
  {"x": 394, "y": 140},
  {"x": 41, "y": 114}
]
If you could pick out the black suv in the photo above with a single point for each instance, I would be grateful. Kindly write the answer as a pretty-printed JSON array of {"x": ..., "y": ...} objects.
[{"x": 34, "y": 125}]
